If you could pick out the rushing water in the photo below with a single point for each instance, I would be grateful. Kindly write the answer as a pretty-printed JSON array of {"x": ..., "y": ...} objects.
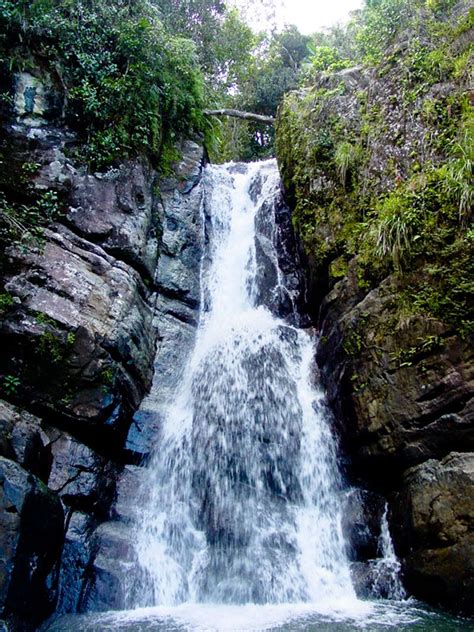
[
  {"x": 244, "y": 503},
  {"x": 387, "y": 568},
  {"x": 239, "y": 524}
]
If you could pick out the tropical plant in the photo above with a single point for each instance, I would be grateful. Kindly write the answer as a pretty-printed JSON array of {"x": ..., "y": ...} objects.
[{"x": 347, "y": 156}]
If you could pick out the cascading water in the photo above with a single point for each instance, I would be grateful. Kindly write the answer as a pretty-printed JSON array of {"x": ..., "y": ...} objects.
[
  {"x": 387, "y": 567},
  {"x": 243, "y": 491},
  {"x": 238, "y": 519}
]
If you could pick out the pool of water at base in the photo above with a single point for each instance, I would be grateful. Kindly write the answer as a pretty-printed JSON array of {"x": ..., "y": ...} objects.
[{"x": 381, "y": 616}]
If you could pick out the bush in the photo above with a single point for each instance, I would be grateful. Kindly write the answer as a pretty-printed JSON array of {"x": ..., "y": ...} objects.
[
  {"x": 131, "y": 87},
  {"x": 347, "y": 157},
  {"x": 25, "y": 222}
]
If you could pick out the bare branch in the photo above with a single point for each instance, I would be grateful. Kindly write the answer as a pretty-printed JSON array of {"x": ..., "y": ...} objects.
[{"x": 248, "y": 116}]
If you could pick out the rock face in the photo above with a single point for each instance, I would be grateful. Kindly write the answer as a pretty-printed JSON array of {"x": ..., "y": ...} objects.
[
  {"x": 398, "y": 368},
  {"x": 280, "y": 285},
  {"x": 84, "y": 307},
  {"x": 31, "y": 534},
  {"x": 434, "y": 514},
  {"x": 178, "y": 283},
  {"x": 176, "y": 318},
  {"x": 406, "y": 393},
  {"x": 81, "y": 307}
]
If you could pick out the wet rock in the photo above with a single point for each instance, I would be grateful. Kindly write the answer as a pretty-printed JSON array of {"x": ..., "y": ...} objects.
[
  {"x": 280, "y": 283},
  {"x": 74, "y": 561},
  {"x": 179, "y": 266},
  {"x": 444, "y": 576},
  {"x": 83, "y": 300},
  {"x": 127, "y": 493},
  {"x": 110, "y": 568},
  {"x": 177, "y": 306},
  {"x": 31, "y": 537},
  {"x": 95, "y": 338},
  {"x": 82, "y": 478},
  {"x": 373, "y": 579},
  {"x": 433, "y": 524},
  {"x": 176, "y": 317},
  {"x": 361, "y": 523},
  {"x": 398, "y": 410},
  {"x": 23, "y": 440},
  {"x": 119, "y": 210}
]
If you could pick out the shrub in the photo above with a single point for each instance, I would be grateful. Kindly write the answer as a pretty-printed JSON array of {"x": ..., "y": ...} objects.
[
  {"x": 347, "y": 156},
  {"x": 131, "y": 87}
]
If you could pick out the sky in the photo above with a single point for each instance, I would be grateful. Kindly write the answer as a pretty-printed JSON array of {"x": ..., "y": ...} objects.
[
  {"x": 311, "y": 15},
  {"x": 308, "y": 15}
]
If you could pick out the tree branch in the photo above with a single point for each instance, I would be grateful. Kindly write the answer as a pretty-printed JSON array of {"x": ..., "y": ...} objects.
[{"x": 248, "y": 116}]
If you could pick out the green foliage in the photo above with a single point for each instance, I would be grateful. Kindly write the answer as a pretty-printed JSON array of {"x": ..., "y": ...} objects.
[
  {"x": 131, "y": 86},
  {"x": 347, "y": 157},
  {"x": 71, "y": 339},
  {"x": 274, "y": 70},
  {"x": 445, "y": 288},
  {"x": 10, "y": 384},
  {"x": 378, "y": 25},
  {"x": 354, "y": 340},
  {"x": 325, "y": 58},
  {"x": 43, "y": 319},
  {"x": 6, "y": 301},
  {"x": 25, "y": 222},
  {"x": 50, "y": 347},
  {"x": 199, "y": 20},
  {"x": 439, "y": 6},
  {"x": 107, "y": 376},
  {"x": 460, "y": 169},
  {"x": 393, "y": 198},
  {"x": 395, "y": 229},
  {"x": 406, "y": 357},
  {"x": 371, "y": 37}
]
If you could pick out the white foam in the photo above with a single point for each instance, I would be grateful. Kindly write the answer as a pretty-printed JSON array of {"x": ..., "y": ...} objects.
[{"x": 243, "y": 490}]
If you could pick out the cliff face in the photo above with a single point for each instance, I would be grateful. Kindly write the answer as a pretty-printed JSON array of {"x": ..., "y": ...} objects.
[
  {"x": 366, "y": 156},
  {"x": 78, "y": 338}
]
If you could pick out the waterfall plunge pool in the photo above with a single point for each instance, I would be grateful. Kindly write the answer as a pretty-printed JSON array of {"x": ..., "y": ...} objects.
[{"x": 403, "y": 616}]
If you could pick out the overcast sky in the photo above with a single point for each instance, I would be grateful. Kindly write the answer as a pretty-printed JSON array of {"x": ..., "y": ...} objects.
[
  {"x": 311, "y": 15},
  {"x": 308, "y": 15}
]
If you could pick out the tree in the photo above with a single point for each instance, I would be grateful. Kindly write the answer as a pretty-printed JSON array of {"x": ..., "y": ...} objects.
[{"x": 276, "y": 70}]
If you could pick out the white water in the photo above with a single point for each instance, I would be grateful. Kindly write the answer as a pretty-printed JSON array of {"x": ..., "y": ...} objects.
[
  {"x": 387, "y": 568},
  {"x": 244, "y": 493},
  {"x": 239, "y": 521}
]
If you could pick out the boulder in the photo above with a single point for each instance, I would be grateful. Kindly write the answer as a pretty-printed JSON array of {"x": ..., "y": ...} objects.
[
  {"x": 108, "y": 587},
  {"x": 31, "y": 539},
  {"x": 433, "y": 525},
  {"x": 361, "y": 523},
  {"x": 23, "y": 440}
]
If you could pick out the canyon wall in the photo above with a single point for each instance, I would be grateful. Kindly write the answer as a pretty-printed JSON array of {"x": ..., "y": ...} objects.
[
  {"x": 368, "y": 156},
  {"x": 78, "y": 339}
]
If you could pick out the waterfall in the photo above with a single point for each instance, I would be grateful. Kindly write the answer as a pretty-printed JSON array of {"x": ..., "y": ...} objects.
[
  {"x": 243, "y": 495},
  {"x": 386, "y": 582}
]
